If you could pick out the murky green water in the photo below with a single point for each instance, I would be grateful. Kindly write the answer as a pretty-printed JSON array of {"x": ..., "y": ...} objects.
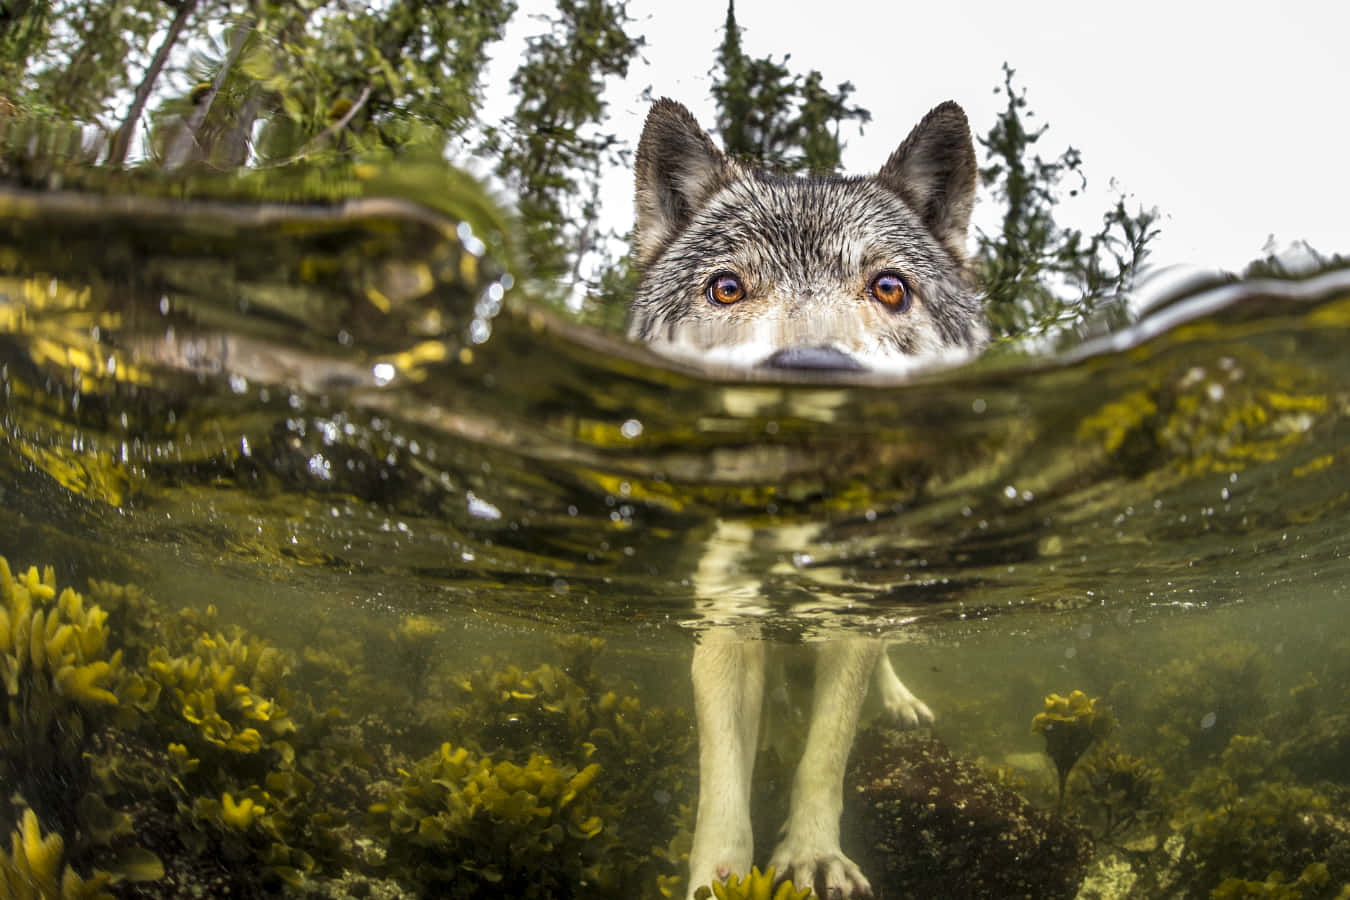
[{"x": 416, "y": 555}]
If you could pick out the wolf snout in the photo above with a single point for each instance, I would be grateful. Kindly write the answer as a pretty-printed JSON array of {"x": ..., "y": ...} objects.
[{"x": 826, "y": 359}]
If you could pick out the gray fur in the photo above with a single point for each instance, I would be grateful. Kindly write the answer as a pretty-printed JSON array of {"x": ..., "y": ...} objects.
[{"x": 805, "y": 250}]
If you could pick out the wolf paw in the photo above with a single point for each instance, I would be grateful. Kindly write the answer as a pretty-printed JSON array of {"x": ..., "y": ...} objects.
[
  {"x": 711, "y": 864},
  {"x": 903, "y": 708},
  {"x": 827, "y": 871}
]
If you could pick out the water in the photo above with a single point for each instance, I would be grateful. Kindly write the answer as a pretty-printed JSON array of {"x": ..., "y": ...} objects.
[{"x": 360, "y": 477}]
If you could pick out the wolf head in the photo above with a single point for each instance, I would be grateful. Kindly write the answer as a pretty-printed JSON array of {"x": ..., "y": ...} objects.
[{"x": 742, "y": 267}]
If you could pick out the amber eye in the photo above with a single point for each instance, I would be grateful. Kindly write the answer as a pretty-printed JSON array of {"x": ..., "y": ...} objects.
[
  {"x": 889, "y": 288},
  {"x": 725, "y": 288}
]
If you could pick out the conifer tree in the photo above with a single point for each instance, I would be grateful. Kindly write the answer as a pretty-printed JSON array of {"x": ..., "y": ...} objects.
[
  {"x": 1039, "y": 276},
  {"x": 771, "y": 117},
  {"x": 551, "y": 151}
]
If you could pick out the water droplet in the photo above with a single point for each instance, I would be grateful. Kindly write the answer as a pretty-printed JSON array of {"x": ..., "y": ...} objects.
[
  {"x": 320, "y": 467},
  {"x": 480, "y": 508}
]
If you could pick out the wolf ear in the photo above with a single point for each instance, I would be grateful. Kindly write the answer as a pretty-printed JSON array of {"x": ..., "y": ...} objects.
[
  {"x": 934, "y": 171},
  {"x": 678, "y": 167}
]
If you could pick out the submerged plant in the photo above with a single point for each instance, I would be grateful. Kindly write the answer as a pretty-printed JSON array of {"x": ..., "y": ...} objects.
[
  {"x": 1274, "y": 887},
  {"x": 558, "y": 781},
  {"x": 1245, "y": 826},
  {"x": 1070, "y": 725},
  {"x": 62, "y": 682},
  {"x": 755, "y": 886},
  {"x": 32, "y": 869},
  {"x": 1201, "y": 701},
  {"x": 1122, "y": 789},
  {"x": 497, "y": 829}
]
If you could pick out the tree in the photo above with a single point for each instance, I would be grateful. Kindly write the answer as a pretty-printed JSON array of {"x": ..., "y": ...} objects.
[
  {"x": 551, "y": 151},
  {"x": 1039, "y": 276},
  {"x": 773, "y": 118},
  {"x": 86, "y": 62},
  {"x": 121, "y": 140}
]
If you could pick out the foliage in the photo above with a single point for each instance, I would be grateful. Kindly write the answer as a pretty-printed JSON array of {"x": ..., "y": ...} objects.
[
  {"x": 495, "y": 829},
  {"x": 1040, "y": 277},
  {"x": 157, "y": 742},
  {"x": 755, "y": 886},
  {"x": 550, "y": 153},
  {"x": 205, "y": 84},
  {"x": 1201, "y": 702},
  {"x": 1242, "y": 833},
  {"x": 773, "y": 118},
  {"x": 31, "y": 868},
  {"x": 573, "y": 716},
  {"x": 1118, "y": 792},
  {"x": 62, "y": 681},
  {"x": 1274, "y": 887},
  {"x": 932, "y": 824},
  {"x": 322, "y": 79},
  {"x": 1070, "y": 725},
  {"x": 359, "y": 79}
]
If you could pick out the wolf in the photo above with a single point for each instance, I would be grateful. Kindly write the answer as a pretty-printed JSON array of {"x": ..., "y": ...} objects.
[{"x": 740, "y": 267}]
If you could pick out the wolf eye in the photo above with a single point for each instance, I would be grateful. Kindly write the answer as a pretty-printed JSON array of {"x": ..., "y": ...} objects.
[
  {"x": 725, "y": 288},
  {"x": 889, "y": 288}
]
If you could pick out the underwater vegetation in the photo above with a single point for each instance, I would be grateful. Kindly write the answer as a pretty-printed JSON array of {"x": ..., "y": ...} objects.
[
  {"x": 154, "y": 752},
  {"x": 469, "y": 827},
  {"x": 31, "y": 870},
  {"x": 1209, "y": 789},
  {"x": 1070, "y": 725},
  {"x": 930, "y": 824},
  {"x": 755, "y": 886},
  {"x": 166, "y": 753},
  {"x": 1117, "y": 793},
  {"x": 1244, "y": 822}
]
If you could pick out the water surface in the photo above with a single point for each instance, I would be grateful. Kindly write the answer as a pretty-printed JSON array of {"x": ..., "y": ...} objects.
[{"x": 345, "y": 432}]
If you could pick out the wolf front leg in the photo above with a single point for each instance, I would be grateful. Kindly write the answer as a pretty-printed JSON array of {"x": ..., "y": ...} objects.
[
  {"x": 728, "y": 691},
  {"x": 809, "y": 852}
]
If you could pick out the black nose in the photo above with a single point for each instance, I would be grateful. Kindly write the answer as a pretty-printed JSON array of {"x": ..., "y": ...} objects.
[{"x": 820, "y": 358}]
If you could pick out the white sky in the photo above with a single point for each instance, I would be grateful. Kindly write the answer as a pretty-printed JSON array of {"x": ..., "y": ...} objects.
[{"x": 1233, "y": 118}]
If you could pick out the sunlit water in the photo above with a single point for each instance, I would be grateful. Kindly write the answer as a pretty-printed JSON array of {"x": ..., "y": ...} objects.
[{"x": 348, "y": 431}]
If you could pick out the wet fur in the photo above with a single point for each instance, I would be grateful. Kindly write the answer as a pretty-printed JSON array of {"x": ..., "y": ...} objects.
[{"x": 805, "y": 250}]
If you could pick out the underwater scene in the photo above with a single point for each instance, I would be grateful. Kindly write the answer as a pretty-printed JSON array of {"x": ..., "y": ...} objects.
[{"x": 335, "y": 566}]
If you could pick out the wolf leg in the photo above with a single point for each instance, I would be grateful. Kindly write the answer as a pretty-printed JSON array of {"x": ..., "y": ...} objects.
[
  {"x": 809, "y": 850},
  {"x": 728, "y": 690},
  {"x": 903, "y": 708}
]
